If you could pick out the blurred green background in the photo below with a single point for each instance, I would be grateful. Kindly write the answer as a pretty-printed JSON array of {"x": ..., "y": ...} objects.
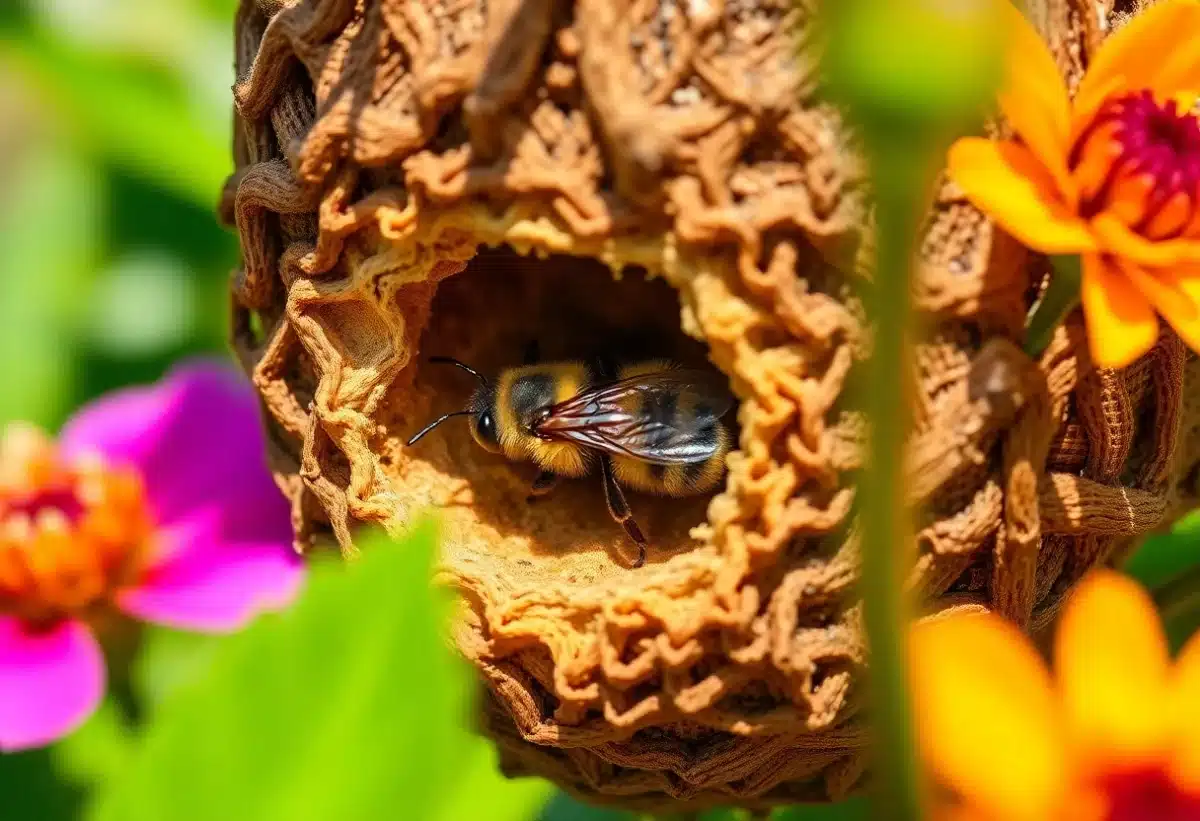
[{"x": 114, "y": 144}]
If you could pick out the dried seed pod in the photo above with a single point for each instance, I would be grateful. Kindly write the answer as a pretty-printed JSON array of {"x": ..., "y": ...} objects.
[{"x": 461, "y": 178}]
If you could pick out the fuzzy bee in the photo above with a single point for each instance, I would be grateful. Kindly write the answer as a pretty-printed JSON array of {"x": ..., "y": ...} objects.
[{"x": 650, "y": 426}]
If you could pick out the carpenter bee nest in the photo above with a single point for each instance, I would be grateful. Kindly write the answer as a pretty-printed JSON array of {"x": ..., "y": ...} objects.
[{"x": 655, "y": 179}]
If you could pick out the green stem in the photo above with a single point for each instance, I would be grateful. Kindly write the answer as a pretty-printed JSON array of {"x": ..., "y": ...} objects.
[
  {"x": 901, "y": 182},
  {"x": 1061, "y": 297}
]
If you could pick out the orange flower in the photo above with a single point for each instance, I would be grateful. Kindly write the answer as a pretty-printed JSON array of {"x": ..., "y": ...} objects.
[
  {"x": 1113, "y": 736},
  {"x": 1113, "y": 176}
]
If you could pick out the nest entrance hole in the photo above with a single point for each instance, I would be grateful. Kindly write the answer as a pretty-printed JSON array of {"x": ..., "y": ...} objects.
[{"x": 486, "y": 316}]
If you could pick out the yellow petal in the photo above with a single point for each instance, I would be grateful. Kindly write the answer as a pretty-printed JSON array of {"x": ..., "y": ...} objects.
[
  {"x": 985, "y": 715},
  {"x": 1174, "y": 293},
  {"x": 1116, "y": 238},
  {"x": 1005, "y": 181},
  {"x": 1112, "y": 665},
  {"x": 1185, "y": 760},
  {"x": 1146, "y": 53},
  {"x": 1034, "y": 97},
  {"x": 1121, "y": 325}
]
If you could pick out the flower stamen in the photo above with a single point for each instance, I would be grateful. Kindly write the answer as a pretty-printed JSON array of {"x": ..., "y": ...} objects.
[
  {"x": 70, "y": 534},
  {"x": 1139, "y": 159}
]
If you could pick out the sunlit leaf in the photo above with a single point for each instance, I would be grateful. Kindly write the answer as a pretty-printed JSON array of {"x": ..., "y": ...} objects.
[{"x": 350, "y": 705}]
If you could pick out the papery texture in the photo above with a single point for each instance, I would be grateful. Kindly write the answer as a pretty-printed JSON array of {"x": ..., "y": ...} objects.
[{"x": 379, "y": 143}]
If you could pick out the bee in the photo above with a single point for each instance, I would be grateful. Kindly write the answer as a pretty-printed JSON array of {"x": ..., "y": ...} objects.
[{"x": 650, "y": 426}]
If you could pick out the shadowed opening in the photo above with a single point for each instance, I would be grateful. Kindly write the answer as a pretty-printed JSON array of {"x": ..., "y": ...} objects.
[{"x": 487, "y": 316}]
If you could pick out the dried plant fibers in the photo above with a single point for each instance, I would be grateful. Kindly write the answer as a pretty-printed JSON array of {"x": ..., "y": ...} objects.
[{"x": 656, "y": 174}]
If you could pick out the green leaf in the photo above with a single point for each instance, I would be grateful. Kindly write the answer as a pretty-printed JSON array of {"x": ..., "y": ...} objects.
[
  {"x": 563, "y": 807},
  {"x": 350, "y": 705},
  {"x": 98, "y": 751},
  {"x": 32, "y": 788},
  {"x": 1163, "y": 557},
  {"x": 853, "y": 809},
  {"x": 169, "y": 660}
]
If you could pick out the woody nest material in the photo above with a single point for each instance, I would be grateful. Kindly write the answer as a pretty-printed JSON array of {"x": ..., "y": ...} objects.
[{"x": 460, "y": 178}]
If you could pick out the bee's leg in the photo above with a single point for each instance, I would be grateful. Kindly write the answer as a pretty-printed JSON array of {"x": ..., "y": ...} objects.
[
  {"x": 619, "y": 509},
  {"x": 533, "y": 353},
  {"x": 543, "y": 484}
]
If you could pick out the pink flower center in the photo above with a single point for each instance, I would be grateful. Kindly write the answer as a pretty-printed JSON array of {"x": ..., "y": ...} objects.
[
  {"x": 1139, "y": 159},
  {"x": 70, "y": 534}
]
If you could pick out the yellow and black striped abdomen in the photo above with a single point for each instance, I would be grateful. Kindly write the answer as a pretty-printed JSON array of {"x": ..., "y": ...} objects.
[
  {"x": 679, "y": 411},
  {"x": 520, "y": 394}
]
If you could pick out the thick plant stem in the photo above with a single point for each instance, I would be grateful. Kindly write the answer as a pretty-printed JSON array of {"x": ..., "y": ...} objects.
[
  {"x": 1061, "y": 297},
  {"x": 912, "y": 73},
  {"x": 886, "y": 529}
]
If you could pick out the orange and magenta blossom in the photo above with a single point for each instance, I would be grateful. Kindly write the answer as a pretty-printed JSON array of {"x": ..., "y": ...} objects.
[
  {"x": 1112, "y": 735},
  {"x": 1113, "y": 175},
  {"x": 70, "y": 534}
]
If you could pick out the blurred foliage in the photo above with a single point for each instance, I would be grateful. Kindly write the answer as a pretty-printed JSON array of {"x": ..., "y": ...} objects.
[{"x": 114, "y": 132}]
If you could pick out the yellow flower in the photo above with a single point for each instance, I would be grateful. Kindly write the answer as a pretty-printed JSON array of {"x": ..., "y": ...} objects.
[
  {"x": 1113, "y": 735},
  {"x": 1113, "y": 175}
]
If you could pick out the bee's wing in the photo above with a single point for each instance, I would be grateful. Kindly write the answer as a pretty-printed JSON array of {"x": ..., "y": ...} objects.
[{"x": 620, "y": 417}]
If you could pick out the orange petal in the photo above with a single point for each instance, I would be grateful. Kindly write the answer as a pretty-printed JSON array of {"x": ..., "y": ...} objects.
[
  {"x": 1034, "y": 96},
  {"x": 985, "y": 715},
  {"x": 1146, "y": 53},
  {"x": 1185, "y": 761},
  {"x": 1112, "y": 665},
  {"x": 1006, "y": 181},
  {"x": 1121, "y": 325},
  {"x": 1116, "y": 238},
  {"x": 1174, "y": 293}
]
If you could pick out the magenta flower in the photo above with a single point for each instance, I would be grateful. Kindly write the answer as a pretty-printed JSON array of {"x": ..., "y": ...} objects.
[{"x": 156, "y": 502}]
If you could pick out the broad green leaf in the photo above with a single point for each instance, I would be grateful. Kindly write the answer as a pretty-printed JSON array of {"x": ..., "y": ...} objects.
[{"x": 348, "y": 706}]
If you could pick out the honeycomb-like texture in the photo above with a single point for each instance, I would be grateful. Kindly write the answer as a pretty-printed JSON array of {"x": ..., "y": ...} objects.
[{"x": 591, "y": 145}]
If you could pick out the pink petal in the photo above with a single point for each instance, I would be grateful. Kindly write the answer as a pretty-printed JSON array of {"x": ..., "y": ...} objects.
[
  {"x": 207, "y": 584},
  {"x": 119, "y": 426},
  {"x": 197, "y": 439},
  {"x": 50, "y": 681}
]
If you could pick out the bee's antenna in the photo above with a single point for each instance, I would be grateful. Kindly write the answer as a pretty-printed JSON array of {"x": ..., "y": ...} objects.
[
  {"x": 435, "y": 423},
  {"x": 446, "y": 360}
]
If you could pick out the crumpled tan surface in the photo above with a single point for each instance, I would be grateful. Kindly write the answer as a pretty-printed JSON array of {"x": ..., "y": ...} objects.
[{"x": 380, "y": 142}]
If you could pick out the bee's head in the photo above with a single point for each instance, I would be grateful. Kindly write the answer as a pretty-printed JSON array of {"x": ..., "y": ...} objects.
[
  {"x": 485, "y": 429},
  {"x": 481, "y": 410}
]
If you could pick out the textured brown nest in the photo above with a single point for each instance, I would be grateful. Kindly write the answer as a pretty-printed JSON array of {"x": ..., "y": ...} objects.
[{"x": 380, "y": 143}]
